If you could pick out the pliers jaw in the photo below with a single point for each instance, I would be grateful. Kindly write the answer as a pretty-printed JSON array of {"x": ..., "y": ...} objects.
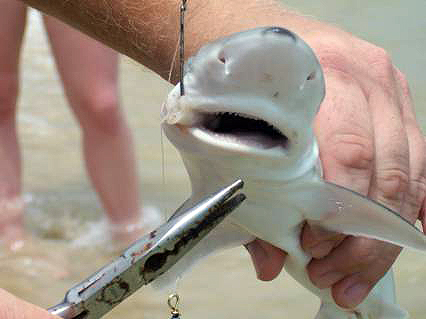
[{"x": 174, "y": 239}]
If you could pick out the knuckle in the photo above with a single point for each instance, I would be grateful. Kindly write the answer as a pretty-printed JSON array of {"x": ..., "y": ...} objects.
[
  {"x": 419, "y": 190},
  {"x": 416, "y": 193},
  {"x": 403, "y": 81},
  {"x": 334, "y": 52},
  {"x": 416, "y": 197},
  {"x": 382, "y": 69},
  {"x": 314, "y": 270},
  {"x": 392, "y": 182},
  {"x": 379, "y": 54},
  {"x": 380, "y": 59},
  {"x": 322, "y": 249},
  {"x": 353, "y": 150}
]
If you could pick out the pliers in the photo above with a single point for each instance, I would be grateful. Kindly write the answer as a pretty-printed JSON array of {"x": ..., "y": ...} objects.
[{"x": 148, "y": 258}]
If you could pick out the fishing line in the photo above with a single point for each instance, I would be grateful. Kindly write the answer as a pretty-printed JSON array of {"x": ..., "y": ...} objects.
[
  {"x": 180, "y": 46},
  {"x": 173, "y": 299},
  {"x": 163, "y": 169}
]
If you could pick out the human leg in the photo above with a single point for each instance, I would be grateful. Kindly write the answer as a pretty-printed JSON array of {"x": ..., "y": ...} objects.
[
  {"x": 89, "y": 73},
  {"x": 12, "y": 26}
]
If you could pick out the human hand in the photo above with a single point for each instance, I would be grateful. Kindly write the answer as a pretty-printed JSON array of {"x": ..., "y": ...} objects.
[
  {"x": 370, "y": 142},
  {"x": 14, "y": 308}
]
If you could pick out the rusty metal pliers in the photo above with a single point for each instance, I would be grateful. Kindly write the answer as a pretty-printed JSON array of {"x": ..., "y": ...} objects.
[{"x": 147, "y": 258}]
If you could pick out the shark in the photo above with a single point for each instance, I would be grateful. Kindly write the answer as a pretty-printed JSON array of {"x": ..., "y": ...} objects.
[{"x": 247, "y": 112}]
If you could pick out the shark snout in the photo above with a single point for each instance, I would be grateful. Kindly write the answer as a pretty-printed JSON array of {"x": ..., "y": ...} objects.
[{"x": 279, "y": 31}]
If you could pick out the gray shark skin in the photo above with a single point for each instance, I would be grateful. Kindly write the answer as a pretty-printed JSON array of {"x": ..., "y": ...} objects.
[{"x": 247, "y": 113}]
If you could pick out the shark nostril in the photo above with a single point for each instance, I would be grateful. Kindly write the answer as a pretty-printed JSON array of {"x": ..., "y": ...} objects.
[{"x": 221, "y": 57}]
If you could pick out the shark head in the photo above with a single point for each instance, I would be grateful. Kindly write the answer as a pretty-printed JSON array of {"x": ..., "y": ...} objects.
[{"x": 249, "y": 102}]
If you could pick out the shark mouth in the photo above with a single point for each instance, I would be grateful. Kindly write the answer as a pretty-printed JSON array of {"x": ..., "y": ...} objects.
[{"x": 242, "y": 129}]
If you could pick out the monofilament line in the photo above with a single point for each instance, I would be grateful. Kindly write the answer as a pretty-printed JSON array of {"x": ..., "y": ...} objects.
[{"x": 182, "y": 45}]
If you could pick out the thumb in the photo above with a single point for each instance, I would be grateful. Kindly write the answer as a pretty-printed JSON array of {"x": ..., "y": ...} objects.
[{"x": 14, "y": 308}]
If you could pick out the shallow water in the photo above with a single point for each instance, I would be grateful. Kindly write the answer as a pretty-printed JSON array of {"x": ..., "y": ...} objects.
[{"x": 64, "y": 216}]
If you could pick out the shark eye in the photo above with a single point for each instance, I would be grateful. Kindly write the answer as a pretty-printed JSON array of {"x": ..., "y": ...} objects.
[{"x": 311, "y": 76}]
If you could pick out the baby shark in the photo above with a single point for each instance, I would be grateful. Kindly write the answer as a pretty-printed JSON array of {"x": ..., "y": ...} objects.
[{"x": 247, "y": 113}]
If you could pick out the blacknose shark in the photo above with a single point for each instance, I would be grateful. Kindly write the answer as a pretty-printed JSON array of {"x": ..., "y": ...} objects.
[{"x": 247, "y": 112}]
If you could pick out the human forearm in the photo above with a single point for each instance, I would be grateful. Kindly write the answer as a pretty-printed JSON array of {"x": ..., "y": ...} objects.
[
  {"x": 143, "y": 30},
  {"x": 147, "y": 31}
]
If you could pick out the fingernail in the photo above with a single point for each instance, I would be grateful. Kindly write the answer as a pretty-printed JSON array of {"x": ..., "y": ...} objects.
[
  {"x": 322, "y": 249},
  {"x": 355, "y": 294},
  {"x": 328, "y": 279}
]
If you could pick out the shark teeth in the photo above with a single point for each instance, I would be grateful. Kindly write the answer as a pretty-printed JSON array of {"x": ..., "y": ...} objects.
[{"x": 245, "y": 129}]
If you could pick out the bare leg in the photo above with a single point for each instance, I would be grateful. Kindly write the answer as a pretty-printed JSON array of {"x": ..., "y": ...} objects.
[
  {"x": 89, "y": 74},
  {"x": 12, "y": 26}
]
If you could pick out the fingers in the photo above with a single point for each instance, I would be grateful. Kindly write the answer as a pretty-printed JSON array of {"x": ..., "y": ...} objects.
[
  {"x": 346, "y": 141},
  {"x": 392, "y": 163},
  {"x": 348, "y": 153},
  {"x": 351, "y": 291},
  {"x": 268, "y": 260},
  {"x": 345, "y": 134},
  {"x": 14, "y": 308},
  {"x": 416, "y": 191},
  {"x": 373, "y": 146},
  {"x": 352, "y": 275},
  {"x": 319, "y": 242}
]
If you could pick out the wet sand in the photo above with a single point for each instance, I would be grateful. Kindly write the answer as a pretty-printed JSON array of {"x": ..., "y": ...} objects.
[{"x": 61, "y": 205}]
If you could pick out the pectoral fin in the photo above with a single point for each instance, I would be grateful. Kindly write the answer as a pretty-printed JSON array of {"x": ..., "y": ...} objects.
[{"x": 341, "y": 210}]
